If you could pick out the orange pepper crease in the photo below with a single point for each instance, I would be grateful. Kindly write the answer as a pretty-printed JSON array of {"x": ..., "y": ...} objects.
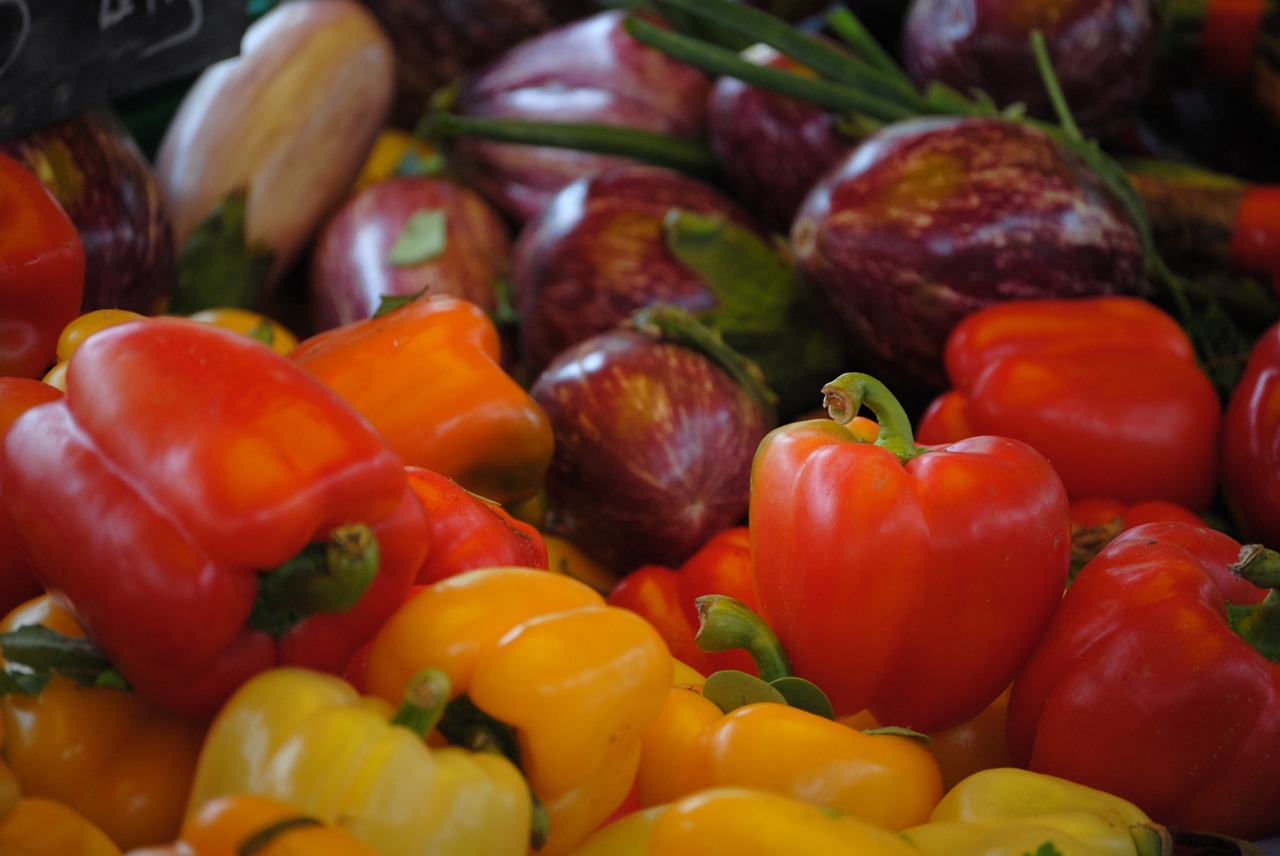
[{"x": 428, "y": 375}]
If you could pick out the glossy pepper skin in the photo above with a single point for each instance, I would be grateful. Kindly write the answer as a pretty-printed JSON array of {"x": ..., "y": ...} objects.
[
  {"x": 361, "y": 763},
  {"x": 161, "y": 496},
  {"x": 17, "y": 581},
  {"x": 467, "y": 531},
  {"x": 909, "y": 581},
  {"x": 729, "y": 821},
  {"x": 1251, "y": 444},
  {"x": 665, "y": 596},
  {"x": 1008, "y": 811},
  {"x": 889, "y": 780},
  {"x": 114, "y": 757},
  {"x": 576, "y": 679},
  {"x": 1107, "y": 388},
  {"x": 240, "y": 823},
  {"x": 428, "y": 375},
  {"x": 41, "y": 271},
  {"x": 1148, "y": 685},
  {"x": 39, "y": 826}
]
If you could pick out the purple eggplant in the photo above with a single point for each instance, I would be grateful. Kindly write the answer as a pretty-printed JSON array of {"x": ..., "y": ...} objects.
[
  {"x": 404, "y": 235},
  {"x": 438, "y": 43},
  {"x": 1103, "y": 52},
  {"x": 94, "y": 167},
  {"x": 597, "y": 252},
  {"x": 772, "y": 149},
  {"x": 930, "y": 219},
  {"x": 590, "y": 72},
  {"x": 654, "y": 439}
]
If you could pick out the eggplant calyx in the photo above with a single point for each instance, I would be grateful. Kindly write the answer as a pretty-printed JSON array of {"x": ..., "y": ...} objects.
[{"x": 669, "y": 323}]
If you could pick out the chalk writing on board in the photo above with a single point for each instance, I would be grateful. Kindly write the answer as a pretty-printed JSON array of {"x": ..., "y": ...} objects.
[{"x": 61, "y": 56}]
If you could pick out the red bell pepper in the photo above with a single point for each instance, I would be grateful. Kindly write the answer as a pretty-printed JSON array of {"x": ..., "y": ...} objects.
[
  {"x": 905, "y": 580},
  {"x": 1251, "y": 444},
  {"x": 41, "y": 271},
  {"x": 667, "y": 597},
  {"x": 1155, "y": 684},
  {"x": 1096, "y": 521},
  {"x": 1107, "y": 388},
  {"x": 205, "y": 509},
  {"x": 467, "y": 531},
  {"x": 17, "y": 582}
]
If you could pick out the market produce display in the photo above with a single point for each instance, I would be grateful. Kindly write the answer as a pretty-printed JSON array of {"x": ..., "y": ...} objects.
[{"x": 651, "y": 428}]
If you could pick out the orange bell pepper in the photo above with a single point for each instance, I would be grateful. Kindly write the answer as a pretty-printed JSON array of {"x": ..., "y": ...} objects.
[
  {"x": 428, "y": 375},
  {"x": 730, "y": 821},
  {"x": 108, "y": 754},
  {"x": 38, "y": 826},
  {"x": 242, "y": 823},
  {"x": 542, "y": 657},
  {"x": 887, "y": 779}
]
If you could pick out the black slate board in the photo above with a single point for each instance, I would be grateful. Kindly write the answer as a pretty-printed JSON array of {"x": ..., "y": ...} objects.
[{"x": 59, "y": 57}]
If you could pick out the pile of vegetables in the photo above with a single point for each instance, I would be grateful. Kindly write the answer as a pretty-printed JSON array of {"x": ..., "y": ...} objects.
[{"x": 682, "y": 426}]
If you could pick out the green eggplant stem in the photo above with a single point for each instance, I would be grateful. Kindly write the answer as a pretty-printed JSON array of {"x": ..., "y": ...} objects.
[
  {"x": 680, "y": 153},
  {"x": 1259, "y": 625},
  {"x": 327, "y": 576},
  {"x": 425, "y": 698},
  {"x": 851, "y": 391},
  {"x": 726, "y": 624}
]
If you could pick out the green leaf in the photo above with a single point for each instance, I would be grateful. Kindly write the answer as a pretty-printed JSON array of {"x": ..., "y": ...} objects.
[
  {"x": 35, "y": 653},
  {"x": 805, "y": 695},
  {"x": 753, "y": 282},
  {"x": 423, "y": 238},
  {"x": 217, "y": 265},
  {"x": 731, "y": 689}
]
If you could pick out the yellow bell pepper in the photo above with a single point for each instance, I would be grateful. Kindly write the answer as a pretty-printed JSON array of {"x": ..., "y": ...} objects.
[
  {"x": 576, "y": 681},
  {"x": 356, "y": 761},
  {"x": 38, "y": 826},
  {"x": 108, "y": 754},
  {"x": 886, "y": 779},
  {"x": 733, "y": 821},
  {"x": 1009, "y": 811},
  {"x": 240, "y": 824}
]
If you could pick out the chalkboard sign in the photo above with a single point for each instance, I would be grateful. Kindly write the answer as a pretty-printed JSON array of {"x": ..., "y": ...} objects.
[{"x": 59, "y": 57}]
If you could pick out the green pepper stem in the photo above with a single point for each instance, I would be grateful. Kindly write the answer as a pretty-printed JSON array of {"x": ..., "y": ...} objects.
[
  {"x": 327, "y": 576},
  {"x": 1259, "y": 625},
  {"x": 34, "y": 654},
  {"x": 425, "y": 698},
  {"x": 726, "y": 624},
  {"x": 851, "y": 391}
]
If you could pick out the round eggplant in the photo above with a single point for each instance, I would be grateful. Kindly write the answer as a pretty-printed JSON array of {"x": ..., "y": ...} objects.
[
  {"x": 772, "y": 149},
  {"x": 930, "y": 219},
  {"x": 405, "y": 235},
  {"x": 588, "y": 71},
  {"x": 597, "y": 253},
  {"x": 437, "y": 43},
  {"x": 653, "y": 443},
  {"x": 94, "y": 167},
  {"x": 1103, "y": 51}
]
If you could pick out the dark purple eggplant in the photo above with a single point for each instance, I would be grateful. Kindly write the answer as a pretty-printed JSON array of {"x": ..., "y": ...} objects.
[
  {"x": 437, "y": 43},
  {"x": 1103, "y": 52},
  {"x": 94, "y": 167},
  {"x": 772, "y": 149},
  {"x": 586, "y": 72},
  {"x": 930, "y": 219},
  {"x": 654, "y": 438},
  {"x": 597, "y": 253},
  {"x": 405, "y": 235}
]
